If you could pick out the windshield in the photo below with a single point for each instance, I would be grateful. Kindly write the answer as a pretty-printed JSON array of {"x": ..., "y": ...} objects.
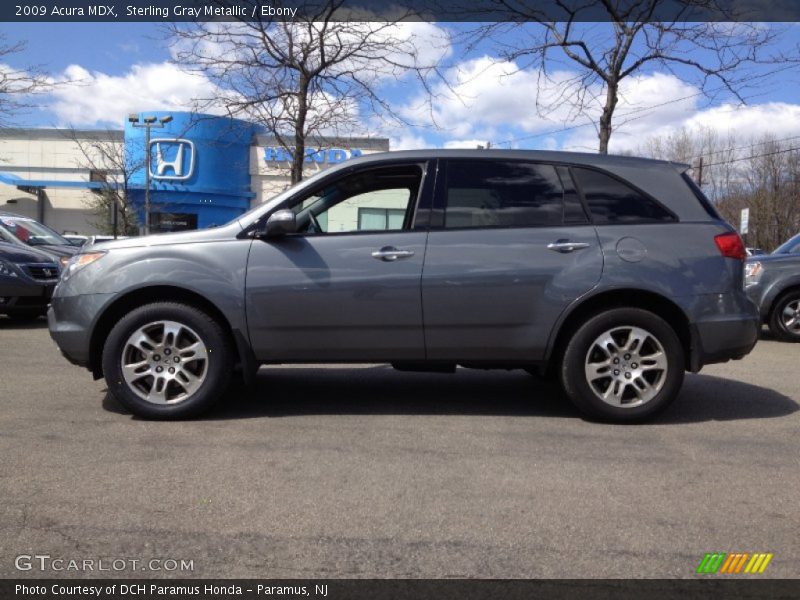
[
  {"x": 792, "y": 246},
  {"x": 32, "y": 232}
]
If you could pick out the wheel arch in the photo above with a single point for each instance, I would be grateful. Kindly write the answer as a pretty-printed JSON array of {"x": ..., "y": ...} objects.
[
  {"x": 148, "y": 295},
  {"x": 621, "y": 298}
]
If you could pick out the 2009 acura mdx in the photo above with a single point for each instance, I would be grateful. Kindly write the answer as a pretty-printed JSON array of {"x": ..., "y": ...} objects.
[{"x": 613, "y": 273}]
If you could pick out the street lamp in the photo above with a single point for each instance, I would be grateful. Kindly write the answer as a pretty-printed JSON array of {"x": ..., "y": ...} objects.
[{"x": 148, "y": 123}]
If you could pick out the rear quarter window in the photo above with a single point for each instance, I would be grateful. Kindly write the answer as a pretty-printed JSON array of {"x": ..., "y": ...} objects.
[{"x": 611, "y": 201}]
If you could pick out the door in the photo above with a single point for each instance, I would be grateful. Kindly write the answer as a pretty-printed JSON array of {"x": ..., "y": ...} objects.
[
  {"x": 510, "y": 247},
  {"x": 346, "y": 286}
]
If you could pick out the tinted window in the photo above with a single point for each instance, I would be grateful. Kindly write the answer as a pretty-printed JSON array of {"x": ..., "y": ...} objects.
[
  {"x": 611, "y": 201},
  {"x": 484, "y": 193}
]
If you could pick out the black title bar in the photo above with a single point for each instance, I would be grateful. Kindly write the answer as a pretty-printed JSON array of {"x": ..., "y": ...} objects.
[
  {"x": 394, "y": 10},
  {"x": 392, "y": 589}
]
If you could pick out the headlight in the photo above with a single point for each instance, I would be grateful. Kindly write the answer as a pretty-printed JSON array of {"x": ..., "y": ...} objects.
[
  {"x": 752, "y": 273},
  {"x": 6, "y": 270},
  {"x": 79, "y": 261}
]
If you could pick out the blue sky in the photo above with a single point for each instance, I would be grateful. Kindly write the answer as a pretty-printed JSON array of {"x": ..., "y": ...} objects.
[{"x": 124, "y": 67}]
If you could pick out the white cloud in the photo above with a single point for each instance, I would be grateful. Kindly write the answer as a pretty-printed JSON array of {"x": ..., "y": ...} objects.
[
  {"x": 488, "y": 93},
  {"x": 467, "y": 144},
  {"x": 91, "y": 98},
  {"x": 496, "y": 100},
  {"x": 408, "y": 141}
]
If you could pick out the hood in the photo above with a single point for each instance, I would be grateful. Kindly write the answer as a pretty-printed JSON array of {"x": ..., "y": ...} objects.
[
  {"x": 226, "y": 232},
  {"x": 57, "y": 250},
  {"x": 775, "y": 258},
  {"x": 17, "y": 253}
]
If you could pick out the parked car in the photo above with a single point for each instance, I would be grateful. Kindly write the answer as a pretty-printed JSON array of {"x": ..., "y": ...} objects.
[
  {"x": 613, "y": 273},
  {"x": 773, "y": 282},
  {"x": 27, "y": 279},
  {"x": 755, "y": 251},
  {"x": 18, "y": 229},
  {"x": 75, "y": 239}
]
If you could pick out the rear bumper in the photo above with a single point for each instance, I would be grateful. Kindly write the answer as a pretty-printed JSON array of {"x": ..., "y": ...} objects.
[{"x": 724, "y": 337}]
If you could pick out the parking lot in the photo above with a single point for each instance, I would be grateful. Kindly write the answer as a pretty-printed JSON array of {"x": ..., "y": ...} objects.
[{"x": 367, "y": 472}]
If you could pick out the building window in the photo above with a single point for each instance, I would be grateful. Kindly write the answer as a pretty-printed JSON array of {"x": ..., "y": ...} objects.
[{"x": 381, "y": 219}]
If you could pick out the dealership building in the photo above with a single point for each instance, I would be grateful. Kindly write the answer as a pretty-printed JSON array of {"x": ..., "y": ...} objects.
[{"x": 204, "y": 170}]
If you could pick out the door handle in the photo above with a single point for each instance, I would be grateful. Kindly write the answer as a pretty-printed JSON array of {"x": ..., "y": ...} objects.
[
  {"x": 390, "y": 253},
  {"x": 565, "y": 246}
]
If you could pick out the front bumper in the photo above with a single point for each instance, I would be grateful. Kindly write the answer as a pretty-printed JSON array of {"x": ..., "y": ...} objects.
[
  {"x": 25, "y": 296},
  {"x": 71, "y": 320}
]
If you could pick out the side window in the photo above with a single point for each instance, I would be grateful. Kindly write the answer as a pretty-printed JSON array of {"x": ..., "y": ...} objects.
[
  {"x": 490, "y": 193},
  {"x": 373, "y": 200},
  {"x": 610, "y": 201}
]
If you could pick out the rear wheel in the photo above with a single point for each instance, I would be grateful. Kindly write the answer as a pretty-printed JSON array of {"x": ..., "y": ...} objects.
[
  {"x": 623, "y": 365},
  {"x": 784, "y": 321},
  {"x": 167, "y": 361}
]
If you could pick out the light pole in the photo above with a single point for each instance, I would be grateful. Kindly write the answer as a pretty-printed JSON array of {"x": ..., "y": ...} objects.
[{"x": 148, "y": 123}]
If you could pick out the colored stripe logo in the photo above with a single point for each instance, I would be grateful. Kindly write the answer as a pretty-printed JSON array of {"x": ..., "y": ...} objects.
[{"x": 734, "y": 563}]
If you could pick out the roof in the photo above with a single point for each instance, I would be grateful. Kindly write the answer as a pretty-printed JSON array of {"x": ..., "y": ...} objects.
[
  {"x": 16, "y": 180},
  {"x": 51, "y": 133},
  {"x": 580, "y": 158}
]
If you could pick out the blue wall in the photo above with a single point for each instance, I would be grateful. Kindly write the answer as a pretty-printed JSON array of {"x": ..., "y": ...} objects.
[{"x": 217, "y": 189}]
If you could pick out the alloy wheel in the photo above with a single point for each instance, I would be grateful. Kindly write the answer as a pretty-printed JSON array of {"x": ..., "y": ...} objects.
[
  {"x": 626, "y": 366},
  {"x": 164, "y": 362}
]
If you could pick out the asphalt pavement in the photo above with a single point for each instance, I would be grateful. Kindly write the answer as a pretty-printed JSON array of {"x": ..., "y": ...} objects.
[{"x": 362, "y": 471}]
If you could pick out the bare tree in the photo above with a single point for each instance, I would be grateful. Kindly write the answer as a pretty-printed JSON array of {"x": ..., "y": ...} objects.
[
  {"x": 112, "y": 163},
  {"x": 17, "y": 85},
  {"x": 768, "y": 183},
  {"x": 314, "y": 76},
  {"x": 604, "y": 54},
  {"x": 762, "y": 174}
]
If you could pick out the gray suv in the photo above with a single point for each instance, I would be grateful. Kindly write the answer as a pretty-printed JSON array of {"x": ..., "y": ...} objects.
[
  {"x": 773, "y": 282},
  {"x": 613, "y": 274}
]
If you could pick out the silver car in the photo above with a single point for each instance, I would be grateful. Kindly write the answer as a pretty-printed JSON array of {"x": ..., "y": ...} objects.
[
  {"x": 612, "y": 274},
  {"x": 773, "y": 282}
]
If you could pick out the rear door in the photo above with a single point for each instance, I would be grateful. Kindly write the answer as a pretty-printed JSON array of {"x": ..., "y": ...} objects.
[{"x": 510, "y": 246}]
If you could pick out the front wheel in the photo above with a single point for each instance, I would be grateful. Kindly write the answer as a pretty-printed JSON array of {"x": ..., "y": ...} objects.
[
  {"x": 623, "y": 365},
  {"x": 784, "y": 321},
  {"x": 167, "y": 361}
]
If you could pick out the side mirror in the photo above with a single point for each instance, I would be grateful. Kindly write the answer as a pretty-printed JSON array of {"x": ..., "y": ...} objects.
[{"x": 280, "y": 223}]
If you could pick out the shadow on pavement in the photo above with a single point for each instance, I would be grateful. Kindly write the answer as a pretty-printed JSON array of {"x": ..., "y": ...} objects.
[
  {"x": 10, "y": 323},
  {"x": 380, "y": 390}
]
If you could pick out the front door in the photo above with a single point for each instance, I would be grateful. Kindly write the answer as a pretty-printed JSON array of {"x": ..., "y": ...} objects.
[{"x": 346, "y": 286}]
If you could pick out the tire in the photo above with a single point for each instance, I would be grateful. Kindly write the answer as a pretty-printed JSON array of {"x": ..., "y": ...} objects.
[
  {"x": 784, "y": 320},
  {"x": 159, "y": 337},
  {"x": 655, "y": 378}
]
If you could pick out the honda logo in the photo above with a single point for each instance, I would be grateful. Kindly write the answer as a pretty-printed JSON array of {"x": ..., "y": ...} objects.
[{"x": 173, "y": 159}]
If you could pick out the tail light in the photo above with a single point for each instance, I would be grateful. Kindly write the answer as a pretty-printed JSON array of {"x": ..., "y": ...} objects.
[{"x": 731, "y": 245}]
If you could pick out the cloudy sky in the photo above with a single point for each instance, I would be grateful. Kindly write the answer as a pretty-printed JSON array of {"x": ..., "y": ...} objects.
[{"x": 108, "y": 70}]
